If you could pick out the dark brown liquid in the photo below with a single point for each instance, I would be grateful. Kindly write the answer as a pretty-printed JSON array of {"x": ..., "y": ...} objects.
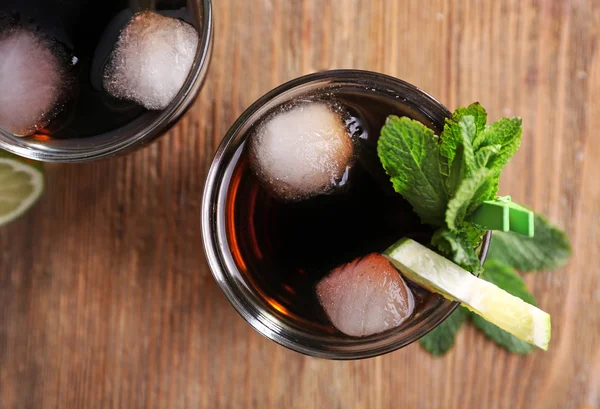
[
  {"x": 87, "y": 31},
  {"x": 284, "y": 249}
]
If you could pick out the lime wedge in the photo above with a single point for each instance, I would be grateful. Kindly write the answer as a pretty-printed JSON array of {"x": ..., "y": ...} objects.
[
  {"x": 438, "y": 274},
  {"x": 21, "y": 184}
]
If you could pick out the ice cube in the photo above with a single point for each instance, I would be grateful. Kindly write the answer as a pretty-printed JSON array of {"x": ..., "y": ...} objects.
[
  {"x": 301, "y": 152},
  {"x": 32, "y": 81},
  {"x": 365, "y": 297},
  {"x": 151, "y": 60}
]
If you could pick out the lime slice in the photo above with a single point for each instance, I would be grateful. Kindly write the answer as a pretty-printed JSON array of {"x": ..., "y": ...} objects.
[
  {"x": 438, "y": 274},
  {"x": 21, "y": 184}
]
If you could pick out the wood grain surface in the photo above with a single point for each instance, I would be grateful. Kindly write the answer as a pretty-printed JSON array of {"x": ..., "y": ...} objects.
[{"x": 106, "y": 300}]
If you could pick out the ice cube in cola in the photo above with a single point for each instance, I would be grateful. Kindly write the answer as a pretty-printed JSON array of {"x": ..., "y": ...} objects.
[
  {"x": 85, "y": 68},
  {"x": 301, "y": 151},
  {"x": 365, "y": 297}
]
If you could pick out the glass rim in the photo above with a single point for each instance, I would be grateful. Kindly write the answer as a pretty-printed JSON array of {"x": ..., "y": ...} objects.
[
  {"x": 220, "y": 267},
  {"x": 164, "y": 119}
]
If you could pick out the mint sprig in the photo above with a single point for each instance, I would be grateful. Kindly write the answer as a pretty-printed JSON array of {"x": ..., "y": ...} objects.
[{"x": 446, "y": 179}]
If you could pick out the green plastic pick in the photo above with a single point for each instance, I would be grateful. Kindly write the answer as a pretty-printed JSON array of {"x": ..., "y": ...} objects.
[
  {"x": 521, "y": 220},
  {"x": 493, "y": 215},
  {"x": 504, "y": 215}
]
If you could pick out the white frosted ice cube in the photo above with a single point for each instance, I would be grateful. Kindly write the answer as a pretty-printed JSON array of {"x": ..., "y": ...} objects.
[
  {"x": 151, "y": 60},
  {"x": 365, "y": 297},
  {"x": 301, "y": 152},
  {"x": 32, "y": 81}
]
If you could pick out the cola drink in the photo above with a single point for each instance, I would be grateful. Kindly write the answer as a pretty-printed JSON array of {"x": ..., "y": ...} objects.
[
  {"x": 283, "y": 248},
  {"x": 81, "y": 36}
]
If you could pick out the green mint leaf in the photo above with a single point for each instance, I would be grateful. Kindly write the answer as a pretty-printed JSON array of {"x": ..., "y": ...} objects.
[
  {"x": 453, "y": 139},
  {"x": 473, "y": 233},
  {"x": 509, "y": 280},
  {"x": 471, "y": 193},
  {"x": 548, "y": 249},
  {"x": 468, "y": 133},
  {"x": 450, "y": 148},
  {"x": 457, "y": 160},
  {"x": 476, "y": 111},
  {"x": 457, "y": 247},
  {"x": 409, "y": 153},
  {"x": 456, "y": 169},
  {"x": 494, "y": 146},
  {"x": 441, "y": 338},
  {"x": 506, "y": 133},
  {"x": 483, "y": 155}
]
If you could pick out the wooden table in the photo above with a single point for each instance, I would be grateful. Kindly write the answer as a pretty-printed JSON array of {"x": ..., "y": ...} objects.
[{"x": 106, "y": 300}]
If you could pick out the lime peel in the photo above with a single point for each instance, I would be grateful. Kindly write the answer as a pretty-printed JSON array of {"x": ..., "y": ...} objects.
[
  {"x": 438, "y": 274},
  {"x": 21, "y": 186}
]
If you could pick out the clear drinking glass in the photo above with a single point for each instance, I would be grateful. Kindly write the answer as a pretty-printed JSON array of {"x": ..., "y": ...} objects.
[
  {"x": 143, "y": 129},
  {"x": 244, "y": 295}
]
